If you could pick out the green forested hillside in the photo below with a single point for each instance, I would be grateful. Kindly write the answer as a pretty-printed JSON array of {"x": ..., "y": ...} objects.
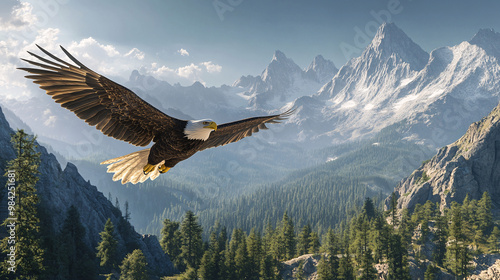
[
  {"x": 322, "y": 196},
  {"x": 404, "y": 245}
]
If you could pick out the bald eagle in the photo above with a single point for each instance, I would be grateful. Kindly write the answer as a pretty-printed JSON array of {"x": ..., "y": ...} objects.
[{"x": 118, "y": 112}]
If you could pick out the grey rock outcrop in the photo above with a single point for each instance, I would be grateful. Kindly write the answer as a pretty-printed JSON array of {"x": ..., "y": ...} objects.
[
  {"x": 469, "y": 166},
  {"x": 59, "y": 189},
  {"x": 305, "y": 265}
]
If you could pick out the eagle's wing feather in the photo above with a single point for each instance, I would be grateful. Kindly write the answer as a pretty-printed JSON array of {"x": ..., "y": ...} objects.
[
  {"x": 113, "y": 109},
  {"x": 235, "y": 131}
]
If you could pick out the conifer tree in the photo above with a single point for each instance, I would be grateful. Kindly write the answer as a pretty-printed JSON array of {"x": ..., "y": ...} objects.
[
  {"x": 367, "y": 269},
  {"x": 212, "y": 263},
  {"x": 430, "y": 272},
  {"x": 230, "y": 255},
  {"x": 107, "y": 249},
  {"x": 267, "y": 239},
  {"x": 458, "y": 255},
  {"x": 192, "y": 244},
  {"x": 368, "y": 209},
  {"x": 484, "y": 216},
  {"x": 324, "y": 270},
  {"x": 346, "y": 268},
  {"x": 440, "y": 239},
  {"x": 380, "y": 236},
  {"x": 208, "y": 269},
  {"x": 314, "y": 243},
  {"x": 405, "y": 228},
  {"x": 494, "y": 239},
  {"x": 127, "y": 213},
  {"x": 268, "y": 269},
  {"x": 328, "y": 268},
  {"x": 304, "y": 240},
  {"x": 75, "y": 259},
  {"x": 22, "y": 246},
  {"x": 363, "y": 250},
  {"x": 134, "y": 267},
  {"x": 254, "y": 248},
  {"x": 223, "y": 243},
  {"x": 278, "y": 246},
  {"x": 288, "y": 233},
  {"x": 397, "y": 259},
  {"x": 393, "y": 210},
  {"x": 242, "y": 261},
  {"x": 171, "y": 241},
  {"x": 190, "y": 274}
]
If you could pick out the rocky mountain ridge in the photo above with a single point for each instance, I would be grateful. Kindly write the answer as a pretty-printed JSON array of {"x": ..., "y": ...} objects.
[
  {"x": 437, "y": 95},
  {"x": 283, "y": 81},
  {"x": 59, "y": 189},
  {"x": 469, "y": 166}
]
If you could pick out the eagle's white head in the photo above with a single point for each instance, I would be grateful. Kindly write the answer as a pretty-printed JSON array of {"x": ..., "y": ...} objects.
[{"x": 199, "y": 129}]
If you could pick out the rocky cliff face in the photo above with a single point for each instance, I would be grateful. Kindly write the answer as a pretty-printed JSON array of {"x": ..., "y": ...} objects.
[
  {"x": 59, "y": 188},
  {"x": 470, "y": 166}
]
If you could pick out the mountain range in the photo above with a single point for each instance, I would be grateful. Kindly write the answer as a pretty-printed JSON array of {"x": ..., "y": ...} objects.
[{"x": 420, "y": 101}]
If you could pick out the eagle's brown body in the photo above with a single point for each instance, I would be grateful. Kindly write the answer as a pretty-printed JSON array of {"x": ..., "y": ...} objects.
[{"x": 119, "y": 113}]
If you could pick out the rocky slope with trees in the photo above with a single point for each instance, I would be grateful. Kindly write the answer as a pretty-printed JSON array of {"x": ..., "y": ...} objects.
[
  {"x": 470, "y": 166},
  {"x": 72, "y": 214}
]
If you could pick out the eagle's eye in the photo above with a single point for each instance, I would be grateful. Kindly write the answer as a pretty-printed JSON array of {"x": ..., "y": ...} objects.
[{"x": 205, "y": 123}]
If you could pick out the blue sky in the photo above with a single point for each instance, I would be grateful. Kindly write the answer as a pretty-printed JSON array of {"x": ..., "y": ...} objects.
[{"x": 217, "y": 41}]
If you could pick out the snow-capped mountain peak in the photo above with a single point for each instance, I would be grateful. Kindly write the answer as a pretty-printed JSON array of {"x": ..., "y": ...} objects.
[
  {"x": 391, "y": 40},
  {"x": 395, "y": 80},
  {"x": 279, "y": 56},
  {"x": 282, "y": 81},
  {"x": 280, "y": 65},
  {"x": 321, "y": 69},
  {"x": 489, "y": 40}
]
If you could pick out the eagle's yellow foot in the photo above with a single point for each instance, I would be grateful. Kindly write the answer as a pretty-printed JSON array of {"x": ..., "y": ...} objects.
[
  {"x": 148, "y": 168},
  {"x": 163, "y": 168}
]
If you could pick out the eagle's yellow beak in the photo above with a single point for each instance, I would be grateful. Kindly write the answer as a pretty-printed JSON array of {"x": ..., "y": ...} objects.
[{"x": 212, "y": 125}]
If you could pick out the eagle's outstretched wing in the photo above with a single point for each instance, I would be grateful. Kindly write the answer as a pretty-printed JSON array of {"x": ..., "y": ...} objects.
[
  {"x": 235, "y": 131},
  {"x": 113, "y": 109}
]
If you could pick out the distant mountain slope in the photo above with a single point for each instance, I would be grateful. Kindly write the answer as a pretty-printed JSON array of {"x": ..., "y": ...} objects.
[
  {"x": 325, "y": 194},
  {"x": 283, "y": 81},
  {"x": 59, "y": 189},
  {"x": 469, "y": 166}
]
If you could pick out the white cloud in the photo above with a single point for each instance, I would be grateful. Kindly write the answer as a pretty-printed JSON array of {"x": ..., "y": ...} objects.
[
  {"x": 189, "y": 71},
  {"x": 89, "y": 46},
  {"x": 183, "y": 52},
  {"x": 50, "y": 121},
  {"x": 211, "y": 67},
  {"x": 185, "y": 74},
  {"x": 20, "y": 16},
  {"x": 135, "y": 53},
  {"x": 107, "y": 59}
]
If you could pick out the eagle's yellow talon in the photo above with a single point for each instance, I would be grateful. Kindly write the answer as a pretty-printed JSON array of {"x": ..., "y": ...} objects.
[
  {"x": 148, "y": 168},
  {"x": 163, "y": 168}
]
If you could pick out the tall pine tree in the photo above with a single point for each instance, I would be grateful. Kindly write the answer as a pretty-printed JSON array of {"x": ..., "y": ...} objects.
[
  {"x": 171, "y": 241},
  {"x": 107, "y": 249},
  {"x": 76, "y": 260},
  {"x": 23, "y": 245},
  {"x": 457, "y": 255},
  {"x": 134, "y": 267},
  {"x": 192, "y": 244},
  {"x": 288, "y": 233}
]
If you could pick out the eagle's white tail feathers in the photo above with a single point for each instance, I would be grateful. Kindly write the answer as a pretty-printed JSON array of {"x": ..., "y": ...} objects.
[{"x": 128, "y": 168}]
